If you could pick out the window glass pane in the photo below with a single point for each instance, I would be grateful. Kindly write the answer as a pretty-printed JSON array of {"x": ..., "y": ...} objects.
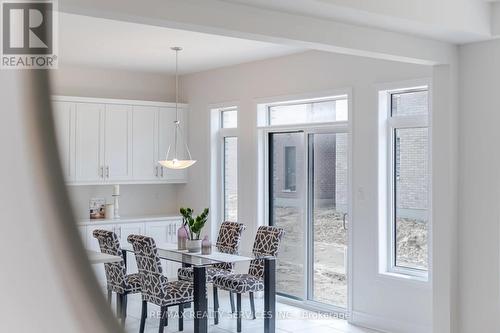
[
  {"x": 290, "y": 169},
  {"x": 287, "y": 211},
  {"x": 231, "y": 179},
  {"x": 229, "y": 119},
  {"x": 411, "y": 151},
  {"x": 324, "y": 111},
  {"x": 409, "y": 103},
  {"x": 329, "y": 176}
]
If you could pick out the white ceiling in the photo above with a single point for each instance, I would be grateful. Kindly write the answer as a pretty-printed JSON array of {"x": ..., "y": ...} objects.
[
  {"x": 454, "y": 21},
  {"x": 96, "y": 42}
]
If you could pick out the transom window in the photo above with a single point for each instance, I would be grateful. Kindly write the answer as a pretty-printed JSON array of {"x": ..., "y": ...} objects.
[
  {"x": 325, "y": 110},
  {"x": 229, "y": 118}
]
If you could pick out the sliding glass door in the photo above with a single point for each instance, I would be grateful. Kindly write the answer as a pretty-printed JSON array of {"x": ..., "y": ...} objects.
[{"x": 309, "y": 198}]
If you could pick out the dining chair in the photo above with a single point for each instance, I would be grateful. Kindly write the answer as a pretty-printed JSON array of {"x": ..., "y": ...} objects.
[
  {"x": 116, "y": 273},
  {"x": 228, "y": 241},
  {"x": 266, "y": 244},
  {"x": 156, "y": 288}
]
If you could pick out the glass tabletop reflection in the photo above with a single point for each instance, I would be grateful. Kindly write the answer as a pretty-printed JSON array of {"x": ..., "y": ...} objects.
[{"x": 171, "y": 253}]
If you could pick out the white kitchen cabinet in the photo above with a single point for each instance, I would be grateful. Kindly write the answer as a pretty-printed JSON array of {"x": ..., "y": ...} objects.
[
  {"x": 145, "y": 143},
  {"x": 83, "y": 235},
  {"x": 166, "y": 127},
  {"x": 117, "y": 143},
  {"x": 88, "y": 148},
  {"x": 164, "y": 232},
  {"x": 64, "y": 122},
  {"x": 105, "y": 141}
]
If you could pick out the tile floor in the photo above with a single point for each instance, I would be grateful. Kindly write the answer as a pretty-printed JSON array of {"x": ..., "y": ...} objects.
[{"x": 290, "y": 319}]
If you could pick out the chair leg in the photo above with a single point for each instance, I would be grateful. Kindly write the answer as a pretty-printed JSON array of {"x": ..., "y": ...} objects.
[
  {"x": 163, "y": 319},
  {"x": 181, "y": 317},
  {"x": 110, "y": 295},
  {"x": 252, "y": 306},
  {"x": 216, "y": 305},
  {"x": 231, "y": 299},
  {"x": 165, "y": 322},
  {"x": 238, "y": 312},
  {"x": 124, "y": 308},
  {"x": 118, "y": 305},
  {"x": 144, "y": 314}
]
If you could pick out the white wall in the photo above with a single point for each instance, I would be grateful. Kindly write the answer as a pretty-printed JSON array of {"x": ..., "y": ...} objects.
[
  {"x": 134, "y": 200},
  {"x": 479, "y": 201},
  {"x": 106, "y": 83},
  {"x": 380, "y": 301}
]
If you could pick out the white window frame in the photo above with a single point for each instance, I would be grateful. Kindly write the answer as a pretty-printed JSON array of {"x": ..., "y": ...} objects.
[
  {"x": 388, "y": 125},
  {"x": 264, "y": 129},
  {"x": 217, "y": 163}
]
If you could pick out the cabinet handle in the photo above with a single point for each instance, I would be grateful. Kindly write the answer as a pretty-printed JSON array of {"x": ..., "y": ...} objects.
[
  {"x": 162, "y": 172},
  {"x": 107, "y": 171},
  {"x": 100, "y": 172},
  {"x": 156, "y": 171}
]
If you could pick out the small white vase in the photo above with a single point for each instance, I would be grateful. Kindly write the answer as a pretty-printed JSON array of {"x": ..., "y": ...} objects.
[{"x": 193, "y": 246}]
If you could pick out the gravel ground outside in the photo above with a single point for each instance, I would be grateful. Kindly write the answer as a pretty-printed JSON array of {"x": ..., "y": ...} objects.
[{"x": 330, "y": 254}]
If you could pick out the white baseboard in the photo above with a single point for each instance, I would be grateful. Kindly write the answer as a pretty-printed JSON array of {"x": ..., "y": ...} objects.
[{"x": 387, "y": 325}]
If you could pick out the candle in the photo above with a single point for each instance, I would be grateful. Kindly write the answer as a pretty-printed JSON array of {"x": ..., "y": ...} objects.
[{"x": 116, "y": 190}]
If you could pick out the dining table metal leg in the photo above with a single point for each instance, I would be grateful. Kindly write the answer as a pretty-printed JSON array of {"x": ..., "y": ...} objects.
[
  {"x": 269, "y": 296},
  {"x": 187, "y": 305},
  {"x": 200, "y": 300}
]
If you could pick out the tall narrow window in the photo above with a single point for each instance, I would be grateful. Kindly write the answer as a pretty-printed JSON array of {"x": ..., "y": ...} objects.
[
  {"x": 229, "y": 163},
  {"x": 409, "y": 181}
]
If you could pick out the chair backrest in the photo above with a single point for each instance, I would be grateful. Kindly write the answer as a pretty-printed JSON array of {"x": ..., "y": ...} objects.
[
  {"x": 116, "y": 273},
  {"x": 267, "y": 243},
  {"x": 228, "y": 241},
  {"x": 153, "y": 282}
]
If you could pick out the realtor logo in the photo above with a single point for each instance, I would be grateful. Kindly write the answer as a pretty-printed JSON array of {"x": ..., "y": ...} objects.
[{"x": 28, "y": 35}]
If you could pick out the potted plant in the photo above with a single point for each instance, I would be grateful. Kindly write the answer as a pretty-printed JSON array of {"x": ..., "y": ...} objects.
[{"x": 195, "y": 225}]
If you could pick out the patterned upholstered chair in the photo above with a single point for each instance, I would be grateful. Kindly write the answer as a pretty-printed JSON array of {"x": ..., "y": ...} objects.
[
  {"x": 156, "y": 288},
  {"x": 228, "y": 241},
  {"x": 116, "y": 273},
  {"x": 267, "y": 243}
]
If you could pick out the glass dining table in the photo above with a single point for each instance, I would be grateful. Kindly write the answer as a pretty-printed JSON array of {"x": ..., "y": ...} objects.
[{"x": 200, "y": 262}]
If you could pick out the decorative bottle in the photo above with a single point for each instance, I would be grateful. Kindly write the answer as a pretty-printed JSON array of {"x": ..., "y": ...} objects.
[
  {"x": 182, "y": 237},
  {"x": 206, "y": 246}
]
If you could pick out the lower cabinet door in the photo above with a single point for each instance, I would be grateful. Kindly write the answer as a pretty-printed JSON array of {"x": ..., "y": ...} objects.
[
  {"x": 83, "y": 235},
  {"x": 123, "y": 231}
]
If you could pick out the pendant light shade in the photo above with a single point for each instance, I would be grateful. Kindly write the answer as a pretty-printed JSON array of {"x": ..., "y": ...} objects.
[{"x": 175, "y": 162}]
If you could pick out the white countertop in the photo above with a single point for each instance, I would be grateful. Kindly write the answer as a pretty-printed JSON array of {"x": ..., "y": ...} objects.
[{"x": 129, "y": 219}]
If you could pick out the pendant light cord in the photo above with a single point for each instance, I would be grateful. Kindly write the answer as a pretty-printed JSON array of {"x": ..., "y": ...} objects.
[{"x": 177, "y": 125}]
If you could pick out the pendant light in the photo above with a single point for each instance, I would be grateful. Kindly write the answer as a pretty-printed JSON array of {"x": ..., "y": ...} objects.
[{"x": 175, "y": 162}]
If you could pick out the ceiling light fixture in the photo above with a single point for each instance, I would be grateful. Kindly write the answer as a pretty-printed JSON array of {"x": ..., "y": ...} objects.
[{"x": 175, "y": 162}]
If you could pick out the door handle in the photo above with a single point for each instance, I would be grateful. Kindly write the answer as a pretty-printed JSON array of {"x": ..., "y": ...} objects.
[{"x": 344, "y": 222}]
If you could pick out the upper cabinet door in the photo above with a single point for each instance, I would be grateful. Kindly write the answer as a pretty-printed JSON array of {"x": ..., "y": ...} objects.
[
  {"x": 117, "y": 143},
  {"x": 145, "y": 143},
  {"x": 166, "y": 137},
  {"x": 89, "y": 131},
  {"x": 64, "y": 122}
]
